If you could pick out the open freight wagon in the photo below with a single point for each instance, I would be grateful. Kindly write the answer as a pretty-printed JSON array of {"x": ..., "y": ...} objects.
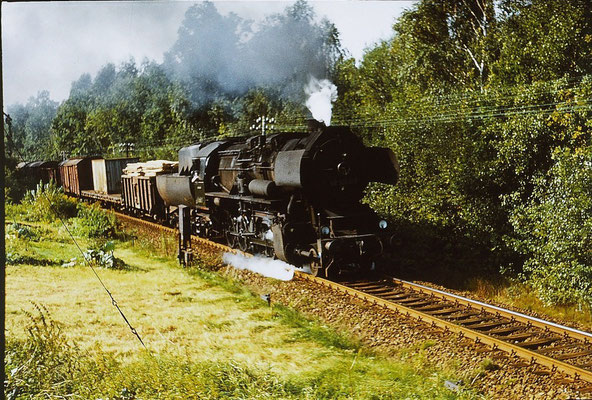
[{"x": 139, "y": 193}]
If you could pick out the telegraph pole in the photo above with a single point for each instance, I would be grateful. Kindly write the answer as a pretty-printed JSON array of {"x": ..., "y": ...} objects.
[{"x": 2, "y": 240}]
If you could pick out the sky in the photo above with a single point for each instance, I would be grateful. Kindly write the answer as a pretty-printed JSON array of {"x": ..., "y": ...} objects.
[{"x": 46, "y": 46}]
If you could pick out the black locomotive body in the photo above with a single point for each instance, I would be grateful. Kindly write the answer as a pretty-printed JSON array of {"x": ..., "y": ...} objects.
[{"x": 295, "y": 196}]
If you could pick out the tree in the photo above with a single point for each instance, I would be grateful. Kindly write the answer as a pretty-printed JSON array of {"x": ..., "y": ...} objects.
[
  {"x": 31, "y": 126},
  {"x": 543, "y": 40},
  {"x": 451, "y": 42},
  {"x": 205, "y": 56}
]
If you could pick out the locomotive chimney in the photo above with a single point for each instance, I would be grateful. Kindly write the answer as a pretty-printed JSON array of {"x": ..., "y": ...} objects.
[{"x": 314, "y": 125}]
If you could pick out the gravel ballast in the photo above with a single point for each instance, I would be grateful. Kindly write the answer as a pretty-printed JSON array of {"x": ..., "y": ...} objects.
[{"x": 496, "y": 374}]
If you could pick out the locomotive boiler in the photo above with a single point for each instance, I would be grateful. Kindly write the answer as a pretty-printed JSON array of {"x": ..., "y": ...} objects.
[{"x": 295, "y": 196}]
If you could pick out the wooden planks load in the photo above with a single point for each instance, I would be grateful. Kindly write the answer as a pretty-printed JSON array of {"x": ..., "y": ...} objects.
[{"x": 151, "y": 168}]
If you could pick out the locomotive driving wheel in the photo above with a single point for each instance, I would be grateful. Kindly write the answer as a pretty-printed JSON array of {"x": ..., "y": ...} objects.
[
  {"x": 315, "y": 263},
  {"x": 269, "y": 252},
  {"x": 230, "y": 239},
  {"x": 315, "y": 267},
  {"x": 243, "y": 242},
  {"x": 228, "y": 226},
  {"x": 241, "y": 227}
]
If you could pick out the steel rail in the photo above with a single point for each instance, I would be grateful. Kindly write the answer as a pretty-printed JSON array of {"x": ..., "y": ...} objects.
[
  {"x": 496, "y": 344},
  {"x": 540, "y": 323}
]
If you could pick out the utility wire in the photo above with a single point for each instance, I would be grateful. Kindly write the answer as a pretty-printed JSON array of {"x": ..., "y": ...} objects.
[
  {"x": 469, "y": 99},
  {"x": 86, "y": 260},
  {"x": 447, "y": 118}
]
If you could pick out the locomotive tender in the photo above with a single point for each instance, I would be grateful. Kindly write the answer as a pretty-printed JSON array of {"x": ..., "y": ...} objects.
[{"x": 295, "y": 196}]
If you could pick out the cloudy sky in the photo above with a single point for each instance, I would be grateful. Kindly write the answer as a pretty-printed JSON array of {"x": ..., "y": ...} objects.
[{"x": 45, "y": 46}]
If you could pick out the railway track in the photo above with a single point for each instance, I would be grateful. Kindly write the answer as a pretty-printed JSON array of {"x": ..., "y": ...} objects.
[{"x": 555, "y": 349}]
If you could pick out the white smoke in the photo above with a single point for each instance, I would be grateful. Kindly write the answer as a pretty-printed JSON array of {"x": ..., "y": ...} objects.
[
  {"x": 321, "y": 95},
  {"x": 264, "y": 266}
]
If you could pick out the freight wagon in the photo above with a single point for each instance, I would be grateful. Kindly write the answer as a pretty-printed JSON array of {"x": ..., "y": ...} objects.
[
  {"x": 31, "y": 173},
  {"x": 106, "y": 175},
  {"x": 76, "y": 175}
]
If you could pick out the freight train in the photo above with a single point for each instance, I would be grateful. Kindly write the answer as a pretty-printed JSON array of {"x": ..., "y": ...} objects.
[{"x": 294, "y": 196}]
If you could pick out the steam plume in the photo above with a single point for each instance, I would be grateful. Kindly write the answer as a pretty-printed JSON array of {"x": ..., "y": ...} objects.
[
  {"x": 264, "y": 266},
  {"x": 321, "y": 95}
]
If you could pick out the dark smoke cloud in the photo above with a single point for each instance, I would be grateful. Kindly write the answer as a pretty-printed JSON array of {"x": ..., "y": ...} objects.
[{"x": 219, "y": 55}]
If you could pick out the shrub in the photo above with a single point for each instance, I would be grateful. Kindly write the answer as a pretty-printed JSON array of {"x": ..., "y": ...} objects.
[
  {"x": 14, "y": 187},
  {"x": 19, "y": 249},
  {"x": 21, "y": 231},
  {"x": 94, "y": 222},
  {"x": 555, "y": 230},
  {"x": 47, "y": 203},
  {"x": 104, "y": 257}
]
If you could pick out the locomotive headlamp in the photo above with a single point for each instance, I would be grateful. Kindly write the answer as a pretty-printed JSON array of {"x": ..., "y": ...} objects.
[
  {"x": 382, "y": 224},
  {"x": 343, "y": 168},
  {"x": 325, "y": 230}
]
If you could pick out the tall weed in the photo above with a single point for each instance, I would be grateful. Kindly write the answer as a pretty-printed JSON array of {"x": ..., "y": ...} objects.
[
  {"x": 44, "y": 364},
  {"x": 47, "y": 203}
]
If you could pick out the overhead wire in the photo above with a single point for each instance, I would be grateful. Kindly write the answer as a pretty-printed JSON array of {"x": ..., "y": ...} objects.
[
  {"x": 478, "y": 100},
  {"x": 460, "y": 112}
]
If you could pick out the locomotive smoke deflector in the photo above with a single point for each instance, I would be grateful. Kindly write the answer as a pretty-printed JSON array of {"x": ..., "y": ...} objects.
[
  {"x": 288, "y": 168},
  {"x": 381, "y": 165}
]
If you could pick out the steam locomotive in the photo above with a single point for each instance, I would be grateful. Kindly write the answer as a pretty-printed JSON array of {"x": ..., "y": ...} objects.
[{"x": 294, "y": 196}]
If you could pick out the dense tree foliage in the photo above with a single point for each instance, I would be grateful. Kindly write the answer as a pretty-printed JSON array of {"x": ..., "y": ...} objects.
[
  {"x": 488, "y": 107},
  {"x": 31, "y": 124},
  {"x": 486, "y": 103}
]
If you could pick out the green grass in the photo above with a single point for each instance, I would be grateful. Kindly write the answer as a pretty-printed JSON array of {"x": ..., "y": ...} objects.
[{"x": 208, "y": 337}]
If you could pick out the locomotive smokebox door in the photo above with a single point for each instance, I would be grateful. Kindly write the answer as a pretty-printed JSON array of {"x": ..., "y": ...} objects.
[{"x": 185, "y": 254}]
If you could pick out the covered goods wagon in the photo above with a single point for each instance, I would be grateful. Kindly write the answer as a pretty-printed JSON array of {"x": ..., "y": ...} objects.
[
  {"x": 107, "y": 174},
  {"x": 31, "y": 173},
  {"x": 76, "y": 175}
]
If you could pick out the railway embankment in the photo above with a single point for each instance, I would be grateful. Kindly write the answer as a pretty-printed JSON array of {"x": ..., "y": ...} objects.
[
  {"x": 207, "y": 335},
  {"x": 495, "y": 373}
]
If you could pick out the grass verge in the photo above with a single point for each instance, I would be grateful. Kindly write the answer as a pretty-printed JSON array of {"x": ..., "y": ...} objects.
[{"x": 208, "y": 336}]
